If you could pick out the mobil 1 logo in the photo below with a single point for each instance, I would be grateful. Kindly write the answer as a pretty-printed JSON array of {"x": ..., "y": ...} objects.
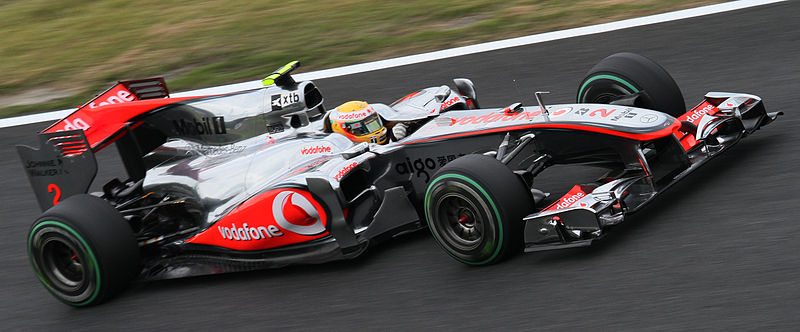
[{"x": 280, "y": 101}]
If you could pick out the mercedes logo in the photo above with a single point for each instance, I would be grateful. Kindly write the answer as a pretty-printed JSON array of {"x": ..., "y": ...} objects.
[{"x": 647, "y": 118}]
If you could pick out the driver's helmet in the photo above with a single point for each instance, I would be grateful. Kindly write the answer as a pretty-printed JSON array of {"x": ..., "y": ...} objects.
[{"x": 359, "y": 122}]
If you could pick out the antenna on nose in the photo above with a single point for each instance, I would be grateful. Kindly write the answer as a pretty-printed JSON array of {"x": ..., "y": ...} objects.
[{"x": 539, "y": 100}]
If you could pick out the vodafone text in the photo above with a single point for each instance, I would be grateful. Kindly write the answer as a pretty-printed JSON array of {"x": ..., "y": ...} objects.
[
  {"x": 449, "y": 103},
  {"x": 494, "y": 117},
  {"x": 698, "y": 113},
  {"x": 344, "y": 171},
  {"x": 315, "y": 149},
  {"x": 121, "y": 96},
  {"x": 355, "y": 115},
  {"x": 568, "y": 201},
  {"x": 76, "y": 123},
  {"x": 246, "y": 233}
]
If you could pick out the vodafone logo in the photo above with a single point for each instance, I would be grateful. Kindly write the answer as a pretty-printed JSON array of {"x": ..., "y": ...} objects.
[
  {"x": 246, "y": 233},
  {"x": 76, "y": 123},
  {"x": 354, "y": 115},
  {"x": 275, "y": 218},
  {"x": 560, "y": 111},
  {"x": 122, "y": 96},
  {"x": 344, "y": 171},
  {"x": 293, "y": 212},
  {"x": 697, "y": 114},
  {"x": 351, "y": 116},
  {"x": 315, "y": 149},
  {"x": 494, "y": 117},
  {"x": 568, "y": 201},
  {"x": 448, "y": 103}
]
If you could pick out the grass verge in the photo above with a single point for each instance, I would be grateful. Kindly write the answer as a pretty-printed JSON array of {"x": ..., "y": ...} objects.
[{"x": 67, "y": 51}]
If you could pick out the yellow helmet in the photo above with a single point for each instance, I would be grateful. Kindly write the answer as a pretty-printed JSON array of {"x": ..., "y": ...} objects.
[{"x": 359, "y": 122}]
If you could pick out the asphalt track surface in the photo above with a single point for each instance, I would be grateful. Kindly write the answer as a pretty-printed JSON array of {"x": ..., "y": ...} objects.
[{"x": 718, "y": 251}]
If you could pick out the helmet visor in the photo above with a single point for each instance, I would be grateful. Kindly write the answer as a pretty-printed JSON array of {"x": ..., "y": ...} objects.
[{"x": 368, "y": 125}]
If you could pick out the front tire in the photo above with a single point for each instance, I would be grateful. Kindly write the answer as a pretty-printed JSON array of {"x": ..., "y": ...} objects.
[
  {"x": 474, "y": 208},
  {"x": 624, "y": 74},
  {"x": 83, "y": 251}
]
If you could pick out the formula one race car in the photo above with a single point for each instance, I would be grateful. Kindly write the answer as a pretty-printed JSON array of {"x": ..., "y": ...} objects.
[{"x": 265, "y": 177}]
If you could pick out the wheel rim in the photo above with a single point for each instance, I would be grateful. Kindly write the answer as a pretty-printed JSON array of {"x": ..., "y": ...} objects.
[
  {"x": 62, "y": 263},
  {"x": 460, "y": 218},
  {"x": 460, "y": 222}
]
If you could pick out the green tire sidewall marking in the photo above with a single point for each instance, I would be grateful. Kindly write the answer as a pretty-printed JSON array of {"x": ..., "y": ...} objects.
[
  {"x": 489, "y": 199},
  {"x": 606, "y": 77},
  {"x": 92, "y": 260}
]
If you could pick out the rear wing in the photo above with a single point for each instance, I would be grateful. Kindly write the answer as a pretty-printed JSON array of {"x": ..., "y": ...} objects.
[
  {"x": 62, "y": 166},
  {"x": 148, "y": 88},
  {"x": 120, "y": 93},
  {"x": 64, "y": 163}
]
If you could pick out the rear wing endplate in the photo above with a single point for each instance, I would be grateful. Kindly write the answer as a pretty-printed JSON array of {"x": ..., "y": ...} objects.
[{"x": 64, "y": 165}]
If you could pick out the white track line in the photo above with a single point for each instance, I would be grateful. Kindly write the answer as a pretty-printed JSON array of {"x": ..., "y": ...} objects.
[{"x": 449, "y": 53}]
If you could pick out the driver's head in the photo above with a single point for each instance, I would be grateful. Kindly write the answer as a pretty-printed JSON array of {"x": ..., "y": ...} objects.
[{"x": 359, "y": 122}]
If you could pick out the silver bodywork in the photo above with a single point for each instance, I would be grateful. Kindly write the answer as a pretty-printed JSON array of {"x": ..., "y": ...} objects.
[
  {"x": 224, "y": 170},
  {"x": 226, "y": 175},
  {"x": 258, "y": 179},
  {"x": 223, "y": 176}
]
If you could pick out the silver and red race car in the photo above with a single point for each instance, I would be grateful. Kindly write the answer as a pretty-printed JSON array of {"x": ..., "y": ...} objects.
[{"x": 257, "y": 179}]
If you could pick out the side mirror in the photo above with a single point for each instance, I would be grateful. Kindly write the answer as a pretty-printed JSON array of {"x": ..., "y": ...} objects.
[
  {"x": 466, "y": 88},
  {"x": 442, "y": 93}
]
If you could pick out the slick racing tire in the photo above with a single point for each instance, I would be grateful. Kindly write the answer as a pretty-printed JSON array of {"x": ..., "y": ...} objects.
[
  {"x": 83, "y": 251},
  {"x": 474, "y": 208},
  {"x": 624, "y": 74}
]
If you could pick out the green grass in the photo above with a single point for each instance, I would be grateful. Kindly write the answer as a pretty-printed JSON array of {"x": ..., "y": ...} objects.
[{"x": 82, "y": 46}]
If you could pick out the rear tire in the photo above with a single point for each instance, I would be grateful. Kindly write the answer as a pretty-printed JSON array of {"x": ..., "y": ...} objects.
[
  {"x": 83, "y": 251},
  {"x": 474, "y": 208},
  {"x": 625, "y": 74}
]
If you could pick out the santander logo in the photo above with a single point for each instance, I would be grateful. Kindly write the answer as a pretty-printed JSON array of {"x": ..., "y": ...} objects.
[{"x": 296, "y": 214}]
